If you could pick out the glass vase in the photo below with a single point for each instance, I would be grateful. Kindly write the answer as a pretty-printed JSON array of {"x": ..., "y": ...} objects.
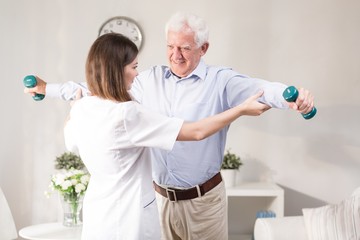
[{"x": 72, "y": 205}]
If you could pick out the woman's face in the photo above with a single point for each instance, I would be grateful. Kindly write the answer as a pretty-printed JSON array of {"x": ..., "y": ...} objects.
[{"x": 130, "y": 72}]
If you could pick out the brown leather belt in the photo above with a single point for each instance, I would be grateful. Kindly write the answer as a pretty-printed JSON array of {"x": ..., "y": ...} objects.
[{"x": 174, "y": 194}]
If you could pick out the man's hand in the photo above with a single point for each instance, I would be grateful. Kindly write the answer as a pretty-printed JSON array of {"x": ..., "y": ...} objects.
[
  {"x": 39, "y": 88},
  {"x": 304, "y": 102}
]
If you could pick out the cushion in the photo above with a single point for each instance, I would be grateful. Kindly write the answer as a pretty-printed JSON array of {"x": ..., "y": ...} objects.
[
  {"x": 7, "y": 224},
  {"x": 280, "y": 228},
  {"x": 334, "y": 221}
]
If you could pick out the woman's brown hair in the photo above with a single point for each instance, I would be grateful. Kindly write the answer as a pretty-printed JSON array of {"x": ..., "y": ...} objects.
[{"x": 105, "y": 64}]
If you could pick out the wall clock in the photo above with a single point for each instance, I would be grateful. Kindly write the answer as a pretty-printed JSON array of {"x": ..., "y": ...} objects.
[{"x": 124, "y": 25}]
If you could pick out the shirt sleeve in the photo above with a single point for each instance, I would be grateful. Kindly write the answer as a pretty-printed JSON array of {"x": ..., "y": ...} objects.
[
  {"x": 240, "y": 87},
  {"x": 148, "y": 129},
  {"x": 66, "y": 91}
]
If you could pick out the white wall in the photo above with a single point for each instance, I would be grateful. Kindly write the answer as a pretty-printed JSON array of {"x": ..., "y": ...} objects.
[{"x": 314, "y": 44}]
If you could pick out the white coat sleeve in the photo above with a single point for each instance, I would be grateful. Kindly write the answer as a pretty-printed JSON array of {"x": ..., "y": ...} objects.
[
  {"x": 148, "y": 129},
  {"x": 69, "y": 135}
]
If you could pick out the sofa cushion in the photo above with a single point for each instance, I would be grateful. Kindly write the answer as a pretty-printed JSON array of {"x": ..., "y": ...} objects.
[
  {"x": 334, "y": 221},
  {"x": 7, "y": 224},
  {"x": 280, "y": 228}
]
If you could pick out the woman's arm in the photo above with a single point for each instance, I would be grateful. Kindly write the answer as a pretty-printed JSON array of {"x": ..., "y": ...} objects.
[{"x": 195, "y": 131}]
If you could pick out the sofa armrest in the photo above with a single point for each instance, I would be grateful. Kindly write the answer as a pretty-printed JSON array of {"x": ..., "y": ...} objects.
[
  {"x": 280, "y": 228},
  {"x": 7, "y": 224}
]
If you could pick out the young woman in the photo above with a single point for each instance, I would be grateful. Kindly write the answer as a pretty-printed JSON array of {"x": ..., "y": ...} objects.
[{"x": 113, "y": 133}]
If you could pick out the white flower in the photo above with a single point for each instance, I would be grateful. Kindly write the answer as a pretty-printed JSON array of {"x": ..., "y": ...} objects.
[
  {"x": 59, "y": 178},
  {"x": 66, "y": 184},
  {"x": 70, "y": 182},
  {"x": 85, "y": 179},
  {"x": 79, "y": 187}
]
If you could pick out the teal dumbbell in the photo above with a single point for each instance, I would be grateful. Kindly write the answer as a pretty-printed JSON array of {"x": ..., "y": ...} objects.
[
  {"x": 30, "y": 82},
  {"x": 291, "y": 94}
]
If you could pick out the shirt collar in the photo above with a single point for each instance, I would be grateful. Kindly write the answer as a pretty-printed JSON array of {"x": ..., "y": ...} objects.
[{"x": 199, "y": 72}]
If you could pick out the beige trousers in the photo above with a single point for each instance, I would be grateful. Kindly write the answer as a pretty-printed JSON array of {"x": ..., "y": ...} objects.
[{"x": 202, "y": 218}]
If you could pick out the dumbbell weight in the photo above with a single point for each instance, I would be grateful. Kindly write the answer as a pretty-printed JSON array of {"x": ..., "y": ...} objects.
[
  {"x": 30, "y": 82},
  {"x": 290, "y": 94}
]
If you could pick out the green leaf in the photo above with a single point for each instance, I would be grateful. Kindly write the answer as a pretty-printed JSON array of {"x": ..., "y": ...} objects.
[{"x": 231, "y": 161}]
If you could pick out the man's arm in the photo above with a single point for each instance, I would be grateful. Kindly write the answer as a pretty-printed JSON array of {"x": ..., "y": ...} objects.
[
  {"x": 65, "y": 91},
  {"x": 204, "y": 128},
  {"x": 241, "y": 87}
]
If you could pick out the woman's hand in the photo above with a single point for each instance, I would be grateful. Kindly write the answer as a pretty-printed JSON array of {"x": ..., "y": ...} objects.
[
  {"x": 77, "y": 97},
  {"x": 252, "y": 107}
]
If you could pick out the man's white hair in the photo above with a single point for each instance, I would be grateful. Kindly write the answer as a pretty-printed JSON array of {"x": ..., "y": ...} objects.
[{"x": 181, "y": 21}]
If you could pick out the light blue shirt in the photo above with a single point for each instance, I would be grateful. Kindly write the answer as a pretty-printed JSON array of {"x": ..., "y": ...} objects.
[{"x": 208, "y": 90}]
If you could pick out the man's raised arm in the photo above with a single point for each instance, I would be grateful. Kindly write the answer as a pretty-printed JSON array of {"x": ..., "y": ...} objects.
[{"x": 65, "y": 91}]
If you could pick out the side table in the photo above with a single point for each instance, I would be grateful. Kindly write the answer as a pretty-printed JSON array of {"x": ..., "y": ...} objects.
[
  {"x": 51, "y": 231},
  {"x": 245, "y": 200}
]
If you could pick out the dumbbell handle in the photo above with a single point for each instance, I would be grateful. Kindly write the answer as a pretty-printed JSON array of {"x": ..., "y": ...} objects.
[
  {"x": 290, "y": 94},
  {"x": 30, "y": 82}
]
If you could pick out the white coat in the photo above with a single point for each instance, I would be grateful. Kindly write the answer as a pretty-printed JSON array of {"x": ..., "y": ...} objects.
[{"x": 111, "y": 138}]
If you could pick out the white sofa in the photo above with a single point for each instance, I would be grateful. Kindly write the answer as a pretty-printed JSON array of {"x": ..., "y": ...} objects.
[
  {"x": 333, "y": 221},
  {"x": 280, "y": 228},
  {"x": 7, "y": 224}
]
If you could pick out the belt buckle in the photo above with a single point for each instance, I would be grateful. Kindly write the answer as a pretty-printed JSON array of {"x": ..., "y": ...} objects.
[{"x": 168, "y": 190}]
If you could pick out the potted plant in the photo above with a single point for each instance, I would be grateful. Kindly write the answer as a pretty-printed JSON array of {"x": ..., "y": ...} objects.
[
  {"x": 229, "y": 167},
  {"x": 68, "y": 161}
]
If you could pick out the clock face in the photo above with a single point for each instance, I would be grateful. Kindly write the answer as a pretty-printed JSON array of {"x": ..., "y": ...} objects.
[{"x": 125, "y": 26}]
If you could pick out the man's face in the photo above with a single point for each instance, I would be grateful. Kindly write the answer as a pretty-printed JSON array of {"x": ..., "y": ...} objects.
[{"x": 182, "y": 52}]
